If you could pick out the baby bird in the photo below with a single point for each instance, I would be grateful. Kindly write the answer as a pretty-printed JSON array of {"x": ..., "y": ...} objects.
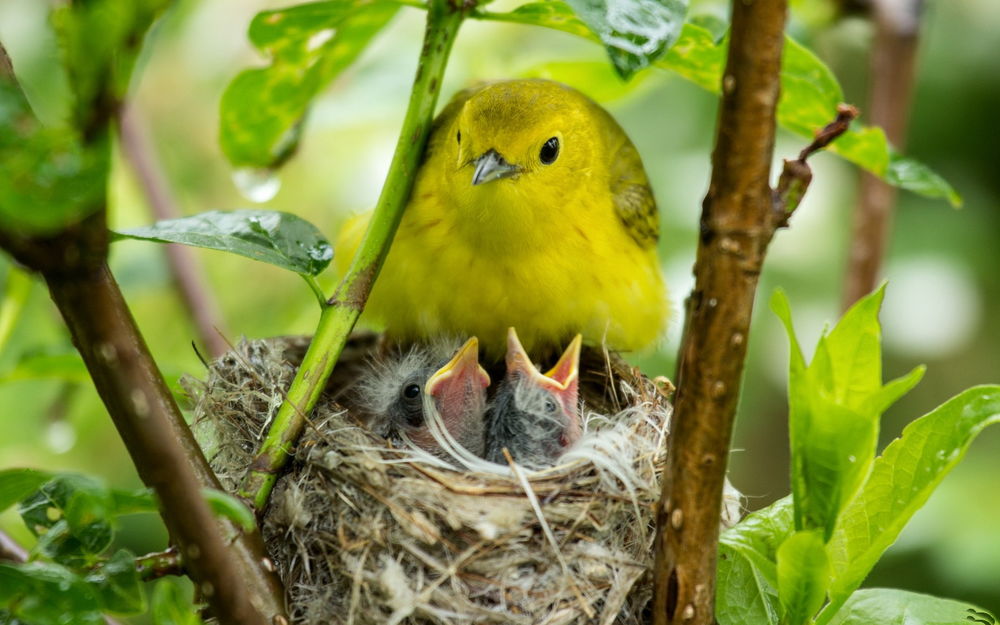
[
  {"x": 533, "y": 204},
  {"x": 534, "y": 416},
  {"x": 402, "y": 392}
]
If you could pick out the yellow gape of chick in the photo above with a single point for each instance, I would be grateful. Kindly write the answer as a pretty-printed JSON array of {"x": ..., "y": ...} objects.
[{"x": 531, "y": 209}]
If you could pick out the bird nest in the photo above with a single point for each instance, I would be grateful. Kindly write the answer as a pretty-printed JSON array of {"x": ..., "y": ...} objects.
[{"x": 368, "y": 533}]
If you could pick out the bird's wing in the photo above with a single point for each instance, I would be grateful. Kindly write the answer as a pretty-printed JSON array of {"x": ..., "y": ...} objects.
[{"x": 633, "y": 198}]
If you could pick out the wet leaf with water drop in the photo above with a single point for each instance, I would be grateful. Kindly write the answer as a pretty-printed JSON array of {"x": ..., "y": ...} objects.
[
  {"x": 309, "y": 45},
  {"x": 273, "y": 237}
]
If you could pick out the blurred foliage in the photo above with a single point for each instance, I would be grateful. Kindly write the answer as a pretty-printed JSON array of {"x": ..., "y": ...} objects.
[{"x": 942, "y": 305}]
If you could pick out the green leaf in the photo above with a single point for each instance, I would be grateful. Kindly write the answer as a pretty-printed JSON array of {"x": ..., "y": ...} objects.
[
  {"x": 281, "y": 239},
  {"x": 309, "y": 45},
  {"x": 117, "y": 584},
  {"x": 759, "y": 535},
  {"x": 912, "y": 175},
  {"x": 171, "y": 604},
  {"x": 834, "y": 407},
  {"x": 803, "y": 576},
  {"x": 229, "y": 507},
  {"x": 42, "y": 593},
  {"x": 902, "y": 479},
  {"x": 595, "y": 78},
  {"x": 883, "y": 606},
  {"x": 72, "y": 517},
  {"x": 17, "y": 484},
  {"x": 743, "y": 595},
  {"x": 634, "y": 32},
  {"x": 134, "y": 501},
  {"x": 100, "y": 68}
]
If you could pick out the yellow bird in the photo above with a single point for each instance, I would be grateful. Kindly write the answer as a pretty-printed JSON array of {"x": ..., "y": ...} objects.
[{"x": 531, "y": 209}]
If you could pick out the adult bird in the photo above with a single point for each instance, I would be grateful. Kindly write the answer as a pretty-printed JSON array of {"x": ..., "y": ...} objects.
[
  {"x": 531, "y": 209},
  {"x": 403, "y": 391},
  {"x": 534, "y": 416}
]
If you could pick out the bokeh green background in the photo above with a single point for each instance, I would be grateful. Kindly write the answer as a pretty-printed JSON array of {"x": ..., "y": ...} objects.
[{"x": 942, "y": 305}]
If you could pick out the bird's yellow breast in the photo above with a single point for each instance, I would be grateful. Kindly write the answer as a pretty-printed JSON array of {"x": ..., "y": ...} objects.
[{"x": 543, "y": 251}]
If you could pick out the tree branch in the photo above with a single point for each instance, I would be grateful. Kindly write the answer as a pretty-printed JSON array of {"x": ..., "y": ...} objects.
[
  {"x": 893, "y": 60},
  {"x": 184, "y": 268},
  {"x": 739, "y": 217},
  {"x": 228, "y": 565}
]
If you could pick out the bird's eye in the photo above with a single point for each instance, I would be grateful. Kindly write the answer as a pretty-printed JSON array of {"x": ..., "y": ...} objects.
[
  {"x": 549, "y": 152},
  {"x": 411, "y": 391},
  {"x": 550, "y": 406},
  {"x": 458, "y": 136}
]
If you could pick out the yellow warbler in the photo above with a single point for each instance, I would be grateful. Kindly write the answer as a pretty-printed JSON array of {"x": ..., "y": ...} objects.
[{"x": 531, "y": 209}]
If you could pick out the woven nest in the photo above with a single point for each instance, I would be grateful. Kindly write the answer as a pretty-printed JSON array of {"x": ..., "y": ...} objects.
[{"x": 363, "y": 532}]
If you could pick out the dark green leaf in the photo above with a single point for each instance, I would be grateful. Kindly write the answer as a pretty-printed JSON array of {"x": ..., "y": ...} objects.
[
  {"x": 635, "y": 32},
  {"x": 273, "y": 237},
  {"x": 229, "y": 507},
  {"x": 803, "y": 576},
  {"x": 171, "y": 604},
  {"x": 834, "y": 407},
  {"x": 73, "y": 517},
  {"x": 882, "y": 606},
  {"x": 902, "y": 479},
  {"x": 116, "y": 582},
  {"x": 17, "y": 484},
  {"x": 47, "y": 594},
  {"x": 309, "y": 45}
]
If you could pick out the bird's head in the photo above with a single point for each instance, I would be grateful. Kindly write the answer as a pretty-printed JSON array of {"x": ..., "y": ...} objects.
[
  {"x": 522, "y": 144},
  {"x": 551, "y": 396}
]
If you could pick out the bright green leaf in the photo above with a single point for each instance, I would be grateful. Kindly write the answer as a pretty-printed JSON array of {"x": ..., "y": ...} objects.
[
  {"x": 281, "y": 239},
  {"x": 902, "y": 479},
  {"x": 635, "y": 32},
  {"x": 594, "y": 78},
  {"x": 834, "y": 407},
  {"x": 803, "y": 576},
  {"x": 42, "y": 593},
  {"x": 912, "y": 175},
  {"x": 171, "y": 604},
  {"x": 743, "y": 596},
  {"x": 117, "y": 584},
  {"x": 133, "y": 501},
  {"x": 882, "y": 606},
  {"x": 309, "y": 45},
  {"x": 229, "y": 507},
  {"x": 759, "y": 535},
  {"x": 18, "y": 484}
]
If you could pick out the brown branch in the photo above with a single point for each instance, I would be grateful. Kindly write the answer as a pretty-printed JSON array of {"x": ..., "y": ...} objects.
[
  {"x": 228, "y": 565},
  {"x": 160, "y": 564},
  {"x": 187, "y": 275},
  {"x": 893, "y": 60},
  {"x": 739, "y": 217},
  {"x": 11, "y": 550}
]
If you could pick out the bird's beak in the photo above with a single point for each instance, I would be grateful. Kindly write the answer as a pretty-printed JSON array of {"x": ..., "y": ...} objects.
[
  {"x": 491, "y": 166},
  {"x": 562, "y": 380},
  {"x": 459, "y": 387}
]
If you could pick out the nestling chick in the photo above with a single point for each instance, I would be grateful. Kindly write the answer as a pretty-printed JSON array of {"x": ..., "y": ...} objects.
[
  {"x": 534, "y": 416},
  {"x": 533, "y": 203},
  {"x": 401, "y": 393}
]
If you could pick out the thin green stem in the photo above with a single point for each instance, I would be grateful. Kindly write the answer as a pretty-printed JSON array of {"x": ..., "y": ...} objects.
[
  {"x": 15, "y": 296},
  {"x": 316, "y": 289},
  {"x": 339, "y": 316}
]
